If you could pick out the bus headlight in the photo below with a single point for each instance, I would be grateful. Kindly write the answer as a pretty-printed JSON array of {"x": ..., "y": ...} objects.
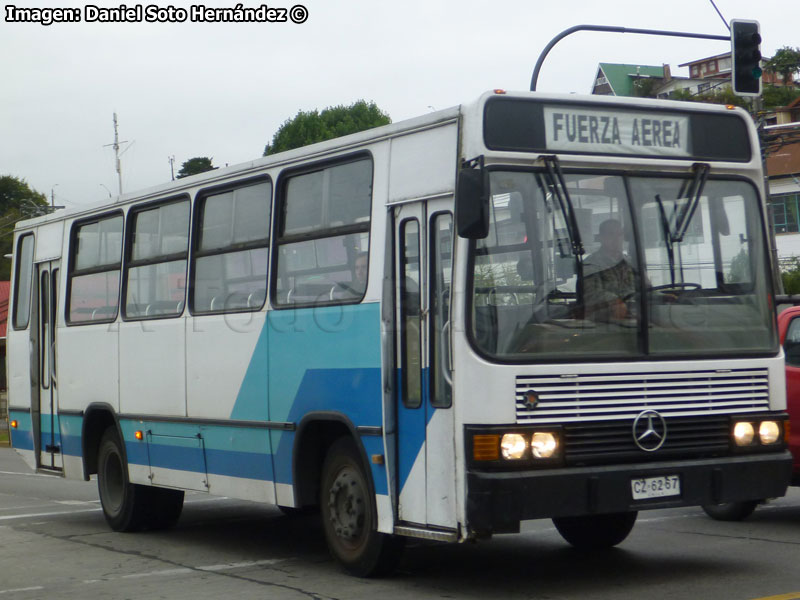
[
  {"x": 544, "y": 444},
  {"x": 769, "y": 432},
  {"x": 743, "y": 433},
  {"x": 513, "y": 446}
]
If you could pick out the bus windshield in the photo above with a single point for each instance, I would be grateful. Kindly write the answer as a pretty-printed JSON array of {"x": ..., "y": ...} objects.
[{"x": 593, "y": 266}]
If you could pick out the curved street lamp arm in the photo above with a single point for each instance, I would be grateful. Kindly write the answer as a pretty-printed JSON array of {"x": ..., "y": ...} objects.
[{"x": 613, "y": 29}]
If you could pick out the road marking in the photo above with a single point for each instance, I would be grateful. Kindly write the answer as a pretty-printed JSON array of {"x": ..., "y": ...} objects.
[
  {"x": 242, "y": 565},
  {"x": 26, "y": 474},
  {"x": 792, "y": 596},
  {"x": 48, "y": 514},
  {"x": 209, "y": 568},
  {"x": 28, "y": 589}
]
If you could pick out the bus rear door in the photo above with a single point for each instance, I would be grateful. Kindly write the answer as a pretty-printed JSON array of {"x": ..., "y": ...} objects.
[{"x": 48, "y": 428}]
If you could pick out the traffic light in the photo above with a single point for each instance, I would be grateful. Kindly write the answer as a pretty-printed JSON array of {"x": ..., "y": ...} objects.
[{"x": 746, "y": 57}]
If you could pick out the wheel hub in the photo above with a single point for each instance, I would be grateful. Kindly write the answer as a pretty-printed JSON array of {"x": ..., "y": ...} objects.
[{"x": 347, "y": 506}]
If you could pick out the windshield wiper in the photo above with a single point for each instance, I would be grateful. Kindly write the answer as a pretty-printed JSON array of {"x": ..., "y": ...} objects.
[
  {"x": 667, "y": 237},
  {"x": 559, "y": 187},
  {"x": 691, "y": 190}
]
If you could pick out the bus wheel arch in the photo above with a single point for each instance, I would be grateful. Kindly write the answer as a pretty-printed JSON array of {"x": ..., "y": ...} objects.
[
  {"x": 97, "y": 418},
  {"x": 315, "y": 435},
  {"x": 128, "y": 506}
]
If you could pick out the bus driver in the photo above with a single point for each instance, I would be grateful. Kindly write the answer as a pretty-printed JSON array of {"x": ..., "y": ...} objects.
[{"x": 609, "y": 280}]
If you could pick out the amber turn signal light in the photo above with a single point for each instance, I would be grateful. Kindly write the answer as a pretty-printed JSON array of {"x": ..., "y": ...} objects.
[{"x": 486, "y": 447}]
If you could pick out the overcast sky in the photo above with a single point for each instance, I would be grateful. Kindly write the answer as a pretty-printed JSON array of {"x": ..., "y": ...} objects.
[{"x": 221, "y": 90}]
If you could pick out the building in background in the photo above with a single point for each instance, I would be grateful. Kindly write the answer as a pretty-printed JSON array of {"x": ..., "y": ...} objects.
[
  {"x": 783, "y": 173},
  {"x": 780, "y": 138}
]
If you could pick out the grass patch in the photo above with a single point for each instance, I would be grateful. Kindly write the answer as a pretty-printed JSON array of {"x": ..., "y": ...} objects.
[{"x": 4, "y": 437}]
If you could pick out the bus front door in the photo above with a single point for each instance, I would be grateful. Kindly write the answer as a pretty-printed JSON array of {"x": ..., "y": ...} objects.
[
  {"x": 425, "y": 475},
  {"x": 49, "y": 445}
]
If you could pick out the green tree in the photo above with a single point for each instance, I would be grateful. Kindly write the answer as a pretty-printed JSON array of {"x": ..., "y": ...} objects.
[
  {"x": 313, "y": 126},
  {"x": 775, "y": 96},
  {"x": 193, "y": 166},
  {"x": 646, "y": 87},
  {"x": 718, "y": 96},
  {"x": 785, "y": 63},
  {"x": 17, "y": 201}
]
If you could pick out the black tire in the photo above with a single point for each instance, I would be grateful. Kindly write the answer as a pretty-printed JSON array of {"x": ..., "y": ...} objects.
[
  {"x": 128, "y": 506},
  {"x": 731, "y": 511},
  {"x": 594, "y": 532},
  {"x": 349, "y": 516}
]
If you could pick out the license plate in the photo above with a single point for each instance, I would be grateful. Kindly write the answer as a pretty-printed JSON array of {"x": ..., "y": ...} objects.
[{"x": 656, "y": 487}]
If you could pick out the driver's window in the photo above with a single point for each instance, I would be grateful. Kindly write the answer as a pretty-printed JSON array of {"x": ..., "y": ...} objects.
[{"x": 608, "y": 286}]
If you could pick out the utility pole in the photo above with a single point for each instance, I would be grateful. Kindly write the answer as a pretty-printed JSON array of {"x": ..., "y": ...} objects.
[
  {"x": 171, "y": 160},
  {"x": 115, "y": 145}
]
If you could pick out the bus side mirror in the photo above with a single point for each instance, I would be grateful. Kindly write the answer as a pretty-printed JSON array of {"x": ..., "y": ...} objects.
[{"x": 472, "y": 204}]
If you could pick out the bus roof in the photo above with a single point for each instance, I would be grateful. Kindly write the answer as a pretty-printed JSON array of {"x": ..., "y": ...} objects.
[{"x": 474, "y": 111}]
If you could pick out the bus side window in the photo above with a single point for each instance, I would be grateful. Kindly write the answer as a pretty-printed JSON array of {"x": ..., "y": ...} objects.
[
  {"x": 232, "y": 250},
  {"x": 24, "y": 282},
  {"x": 94, "y": 270},
  {"x": 323, "y": 229},
  {"x": 155, "y": 283}
]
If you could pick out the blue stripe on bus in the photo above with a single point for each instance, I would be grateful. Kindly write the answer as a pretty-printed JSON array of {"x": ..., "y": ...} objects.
[
  {"x": 231, "y": 451},
  {"x": 22, "y": 435}
]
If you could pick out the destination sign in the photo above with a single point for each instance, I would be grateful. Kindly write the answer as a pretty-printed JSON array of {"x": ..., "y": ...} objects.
[
  {"x": 597, "y": 128},
  {"x": 616, "y": 132}
]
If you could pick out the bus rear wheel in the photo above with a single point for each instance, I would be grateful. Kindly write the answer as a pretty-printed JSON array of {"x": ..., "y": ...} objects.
[
  {"x": 349, "y": 516},
  {"x": 594, "y": 532},
  {"x": 128, "y": 506}
]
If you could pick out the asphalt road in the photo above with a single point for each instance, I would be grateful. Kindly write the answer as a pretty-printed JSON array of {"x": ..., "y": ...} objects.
[{"x": 54, "y": 543}]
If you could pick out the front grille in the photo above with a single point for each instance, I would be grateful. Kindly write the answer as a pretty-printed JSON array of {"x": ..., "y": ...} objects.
[
  {"x": 614, "y": 397},
  {"x": 608, "y": 442}
]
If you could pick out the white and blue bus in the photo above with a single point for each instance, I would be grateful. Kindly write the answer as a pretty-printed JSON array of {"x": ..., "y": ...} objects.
[{"x": 529, "y": 306}]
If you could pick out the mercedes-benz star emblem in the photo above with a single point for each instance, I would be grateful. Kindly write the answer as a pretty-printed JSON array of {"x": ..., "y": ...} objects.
[{"x": 649, "y": 430}]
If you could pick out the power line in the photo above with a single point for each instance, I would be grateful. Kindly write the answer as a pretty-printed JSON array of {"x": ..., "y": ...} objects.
[{"x": 720, "y": 15}]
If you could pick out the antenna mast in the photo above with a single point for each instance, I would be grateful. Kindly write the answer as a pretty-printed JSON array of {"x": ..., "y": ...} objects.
[{"x": 115, "y": 145}]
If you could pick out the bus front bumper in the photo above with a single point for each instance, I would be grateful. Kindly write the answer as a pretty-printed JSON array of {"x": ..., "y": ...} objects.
[{"x": 498, "y": 501}]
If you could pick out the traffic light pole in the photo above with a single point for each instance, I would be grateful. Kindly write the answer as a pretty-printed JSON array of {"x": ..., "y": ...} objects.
[{"x": 613, "y": 29}]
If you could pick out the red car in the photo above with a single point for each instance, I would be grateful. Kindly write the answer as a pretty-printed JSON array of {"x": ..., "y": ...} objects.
[{"x": 789, "y": 329}]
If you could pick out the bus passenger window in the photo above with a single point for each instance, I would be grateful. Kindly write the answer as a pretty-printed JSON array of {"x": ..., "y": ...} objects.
[
  {"x": 324, "y": 235},
  {"x": 94, "y": 270},
  {"x": 156, "y": 273},
  {"x": 232, "y": 250}
]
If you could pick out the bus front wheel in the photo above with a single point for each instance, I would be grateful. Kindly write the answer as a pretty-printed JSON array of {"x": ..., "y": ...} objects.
[
  {"x": 349, "y": 515},
  {"x": 128, "y": 506},
  {"x": 591, "y": 532},
  {"x": 731, "y": 511}
]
